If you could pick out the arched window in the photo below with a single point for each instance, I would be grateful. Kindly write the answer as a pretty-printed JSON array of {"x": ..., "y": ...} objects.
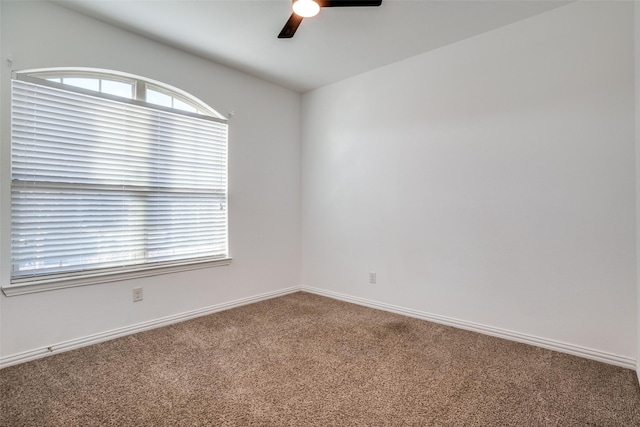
[
  {"x": 110, "y": 84},
  {"x": 112, "y": 174}
]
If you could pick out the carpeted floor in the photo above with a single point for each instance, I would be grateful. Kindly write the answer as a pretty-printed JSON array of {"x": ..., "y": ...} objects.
[{"x": 305, "y": 360}]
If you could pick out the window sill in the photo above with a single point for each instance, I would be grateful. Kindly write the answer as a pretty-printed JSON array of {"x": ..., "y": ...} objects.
[{"x": 42, "y": 285}]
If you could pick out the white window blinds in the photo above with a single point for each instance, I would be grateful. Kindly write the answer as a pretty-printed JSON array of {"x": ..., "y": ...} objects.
[{"x": 99, "y": 184}]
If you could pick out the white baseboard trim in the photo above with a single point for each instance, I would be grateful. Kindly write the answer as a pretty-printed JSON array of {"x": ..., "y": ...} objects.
[
  {"x": 612, "y": 359},
  {"x": 587, "y": 353},
  {"x": 139, "y": 327}
]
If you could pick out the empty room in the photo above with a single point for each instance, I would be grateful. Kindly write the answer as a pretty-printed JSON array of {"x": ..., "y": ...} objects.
[{"x": 319, "y": 213}]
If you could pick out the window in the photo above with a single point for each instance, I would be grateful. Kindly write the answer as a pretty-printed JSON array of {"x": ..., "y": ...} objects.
[{"x": 112, "y": 174}]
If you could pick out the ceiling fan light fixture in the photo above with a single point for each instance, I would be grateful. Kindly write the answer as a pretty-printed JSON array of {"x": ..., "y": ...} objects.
[{"x": 306, "y": 8}]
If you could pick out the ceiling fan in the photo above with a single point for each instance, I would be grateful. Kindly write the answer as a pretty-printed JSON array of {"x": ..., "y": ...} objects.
[{"x": 308, "y": 8}]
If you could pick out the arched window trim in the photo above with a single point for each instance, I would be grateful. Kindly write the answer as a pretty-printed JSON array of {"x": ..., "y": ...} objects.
[{"x": 140, "y": 84}]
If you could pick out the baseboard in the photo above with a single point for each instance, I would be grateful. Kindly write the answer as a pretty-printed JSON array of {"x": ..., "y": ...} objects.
[
  {"x": 588, "y": 353},
  {"x": 139, "y": 327}
]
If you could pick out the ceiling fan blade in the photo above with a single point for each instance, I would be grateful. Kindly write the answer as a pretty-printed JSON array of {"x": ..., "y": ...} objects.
[
  {"x": 348, "y": 3},
  {"x": 290, "y": 27}
]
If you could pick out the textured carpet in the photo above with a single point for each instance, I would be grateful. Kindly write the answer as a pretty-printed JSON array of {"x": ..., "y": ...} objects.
[{"x": 305, "y": 360}]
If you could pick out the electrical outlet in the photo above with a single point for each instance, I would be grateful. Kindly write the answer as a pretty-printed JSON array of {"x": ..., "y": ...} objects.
[
  {"x": 372, "y": 277},
  {"x": 137, "y": 294}
]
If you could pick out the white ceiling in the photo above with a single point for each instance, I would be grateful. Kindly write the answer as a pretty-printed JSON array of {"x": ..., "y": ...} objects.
[{"x": 336, "y": 44}]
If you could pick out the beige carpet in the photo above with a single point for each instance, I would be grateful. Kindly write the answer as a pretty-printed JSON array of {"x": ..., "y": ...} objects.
[{"x": 305, "y": 360}]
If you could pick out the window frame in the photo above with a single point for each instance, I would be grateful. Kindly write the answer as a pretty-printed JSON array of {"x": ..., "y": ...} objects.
[{"x": 45, "y": 281}]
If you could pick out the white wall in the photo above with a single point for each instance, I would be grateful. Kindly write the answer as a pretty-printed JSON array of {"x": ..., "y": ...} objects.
[
  {"x": 264, "y": 180},
  {"x": 490, "y": 181},
  {"x": 636, "y": 22}
]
